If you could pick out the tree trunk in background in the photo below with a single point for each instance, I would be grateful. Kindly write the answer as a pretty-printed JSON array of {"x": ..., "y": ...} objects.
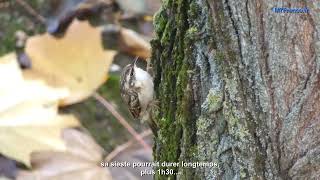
[{"x": 238, "y": 85}]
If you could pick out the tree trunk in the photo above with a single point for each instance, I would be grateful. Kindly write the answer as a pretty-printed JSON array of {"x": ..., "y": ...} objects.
[{"x": 238, "y": 85}]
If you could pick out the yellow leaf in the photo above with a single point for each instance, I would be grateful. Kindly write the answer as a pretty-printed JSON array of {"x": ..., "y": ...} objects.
[
  {"x": 28, "y": 114},
  {"x": 19, "y": 141},
  {"x": 76, "y": 61},
  {"x": 8, "y": 65},
  {"x": 81, "y": 161}
]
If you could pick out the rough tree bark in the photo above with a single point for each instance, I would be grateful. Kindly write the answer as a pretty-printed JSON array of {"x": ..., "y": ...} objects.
[{"x": 238, "y": 85}]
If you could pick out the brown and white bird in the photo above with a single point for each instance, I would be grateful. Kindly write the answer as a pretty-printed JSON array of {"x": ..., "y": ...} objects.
[{"x": 136, "y": 88}]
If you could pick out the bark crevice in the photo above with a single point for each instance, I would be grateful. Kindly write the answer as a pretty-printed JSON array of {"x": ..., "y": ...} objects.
[{"x": 243, "y": 80}]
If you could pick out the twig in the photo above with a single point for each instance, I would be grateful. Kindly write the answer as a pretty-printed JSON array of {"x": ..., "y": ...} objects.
[
  {"x": 110, "y": 108},
  {"x": 31, "y": 11},
  {"x": 125, "y": 146}
]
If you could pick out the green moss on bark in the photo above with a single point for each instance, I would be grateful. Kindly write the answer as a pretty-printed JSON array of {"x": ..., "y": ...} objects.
[{"x": 175, "y": 96}]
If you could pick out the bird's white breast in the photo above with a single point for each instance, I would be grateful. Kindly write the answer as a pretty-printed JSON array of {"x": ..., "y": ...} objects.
[{"x": 145, "y": 84}]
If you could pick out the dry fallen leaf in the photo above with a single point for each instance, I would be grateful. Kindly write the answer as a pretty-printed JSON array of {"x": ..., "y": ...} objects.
[
  {"x": 28, "y": 114},
  {"x": 18, "y": 141},
  {"x": 128, "y": 41},
  {"x": 133, "y": 43},
  {"x": 76, "y": 61},
  {"x": 8, "y": 168},
  {"x": 61, "y": 13},
  {"x": 131, "y": 152},
  {"x": 81, "y": 161},
  {"x": 133, "y": 8},
  {"x": 4, "y": 178}
]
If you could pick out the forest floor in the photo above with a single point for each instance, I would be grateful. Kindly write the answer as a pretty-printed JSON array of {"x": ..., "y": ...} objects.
[{"x": 106, "y": 130}]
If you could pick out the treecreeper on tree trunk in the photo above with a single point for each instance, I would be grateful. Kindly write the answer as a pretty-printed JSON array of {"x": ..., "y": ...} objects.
[{"x": 136, "y": 88}]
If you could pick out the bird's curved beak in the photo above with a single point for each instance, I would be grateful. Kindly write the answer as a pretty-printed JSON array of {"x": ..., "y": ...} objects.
[{"x": 135, "y": 60}]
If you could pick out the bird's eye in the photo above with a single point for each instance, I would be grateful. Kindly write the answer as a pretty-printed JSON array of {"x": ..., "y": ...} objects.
[{"x": 131, "y": 73}]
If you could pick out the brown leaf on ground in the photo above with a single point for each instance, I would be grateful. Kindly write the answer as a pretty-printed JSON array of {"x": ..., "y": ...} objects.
[
  {"x": 61, "y": 13},
  {"x": 131, "y": 152},
  {"x": 133, "y": 43},
  {"x": 81, "y": 161},
  {"x": 133, "y": 8},
  {"x": 76, "y": 61},
  {"x": 127, "y": 40},
  {"x": 8, "y": 167}
]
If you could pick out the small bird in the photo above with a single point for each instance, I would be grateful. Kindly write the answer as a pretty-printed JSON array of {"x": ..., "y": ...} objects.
[{"x": 136, "y": 88}]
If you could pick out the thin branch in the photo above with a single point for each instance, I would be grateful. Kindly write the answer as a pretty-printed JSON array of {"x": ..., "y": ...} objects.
[
  {"x": 31, "y": 11},
  {"x": 110, "y": 108},
  {"x": 125, "y": 146}
]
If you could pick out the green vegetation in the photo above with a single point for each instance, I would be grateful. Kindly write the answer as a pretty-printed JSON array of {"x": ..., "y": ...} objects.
[{"x": 13, "y": 19}]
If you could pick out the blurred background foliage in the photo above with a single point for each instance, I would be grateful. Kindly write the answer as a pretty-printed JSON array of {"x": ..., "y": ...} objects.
[
  {"x": 137, "y": 15},
  {"x": 13, "y": 19}
]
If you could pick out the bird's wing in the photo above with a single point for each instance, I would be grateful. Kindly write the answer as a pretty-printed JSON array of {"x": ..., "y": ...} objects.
[{"x": 134, "y": 104}]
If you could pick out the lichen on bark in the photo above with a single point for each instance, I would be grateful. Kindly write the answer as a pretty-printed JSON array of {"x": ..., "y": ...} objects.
[{"x": 235, "y": 84}]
